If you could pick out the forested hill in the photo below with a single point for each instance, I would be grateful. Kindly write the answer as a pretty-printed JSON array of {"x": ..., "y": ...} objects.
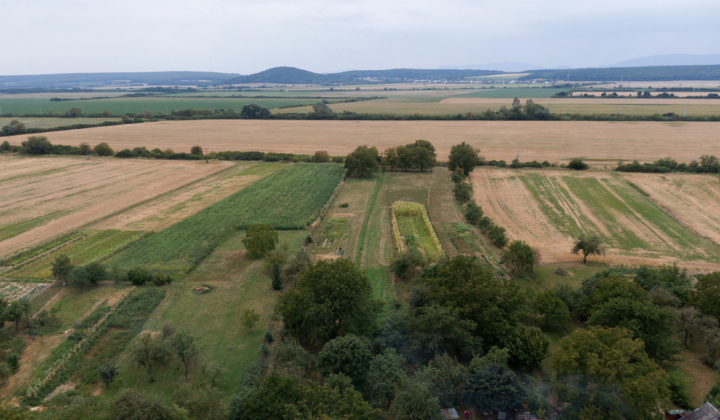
[
  {"x": 292, "y": 75},
  {"x": 82, "y": 80},
  {"x": 708, "y": 72}
]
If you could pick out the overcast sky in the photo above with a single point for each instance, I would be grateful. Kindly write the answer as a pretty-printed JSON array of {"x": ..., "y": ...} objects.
[{"x": 241, "y": 36}]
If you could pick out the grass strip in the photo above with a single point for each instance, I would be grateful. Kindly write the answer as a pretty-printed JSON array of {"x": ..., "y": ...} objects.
[{"x": 371, "y": 207}]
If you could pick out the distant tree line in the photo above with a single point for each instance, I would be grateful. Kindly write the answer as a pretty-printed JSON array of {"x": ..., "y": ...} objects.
[{"x": 708, "y": 164}]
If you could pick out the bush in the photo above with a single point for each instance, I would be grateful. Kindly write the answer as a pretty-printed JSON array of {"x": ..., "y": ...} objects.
[
  {"x": 13, "y": 361},
  {"x": 679, "y": 389},
  {"x": 473, "y": 213},
  {"x": 269, "y": 337},
  {"x": 103, "y": 149},
  {"x": 463, "y": 192},
  {"x": 37, "y": 145},
  {"x": 497, "y": 236},
  {"x": 577, "y": 164},
  {"x": 456, "y": 178},
  {"x": 126, "y": 153},
  {"x": 321, "y": 156},
  {"x": 138, "y": 276},
  {"x": 344, "y": 205},
  {"x": 196, "y": 150}
]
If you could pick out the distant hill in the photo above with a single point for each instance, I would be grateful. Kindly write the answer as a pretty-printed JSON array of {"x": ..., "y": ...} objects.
[
  {"x": 84, "y": 80},
  {"x": 292, "y": 75},
  {"x": 650, "y": 73},
  {"x": 510, "y": 66},
  {"x": 671, "y": 60}
]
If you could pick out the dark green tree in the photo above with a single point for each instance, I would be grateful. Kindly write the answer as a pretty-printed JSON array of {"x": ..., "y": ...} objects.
[
  {"x": 108, "y": 372},
  {"x": 15, "y": 127},
  {"x": 62, "y": 267},
  {"x": 577, "y": 164},
  {"x": 14, "y": 312},
  {"x": 362, "y": 161},
  {"x": 605, "y": 373},
  {"x": 707, "y": 294},
  {"x": 103, "y": 149},
  {"x": 278, "y": 279},
  {"x": 444, "y": 378},
  {"x": 37, "y": 145},
  {"x": 196, "y": 150},
  {"x": 259, "y": 240},
  {"x": 551, "y": 310},
  {"x": 519, "y": 256},
  {"x": 588, "y": 245},
  {"x": 463, "y": 192},
  {"x": 322, "y": 111},
  {"x": 493, "y": 387},
  {"x": 473, "y": 213},
  {"x": 435, "y": 330},
  {"x": 185, "y": 347},
  {"x": 149, "y": 352},
  {"x": 330, "y": 299},
  {"x": 414, "y": 402},
  {"x": 528, "y": 346},
  {"x": 385, "y": 376},
  {"x": 464, "y": 158},
  {"x": 73, "y": 112},
  {"x": 349, "y": 355},
  {"x": 652, "y": 324},
  {"x": 254, "y": 112},
  {"x": 472, "y": 289}
]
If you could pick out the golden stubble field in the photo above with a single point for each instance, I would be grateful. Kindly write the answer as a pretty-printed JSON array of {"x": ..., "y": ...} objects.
[
  {"x": 42, "y": 198},
  {"x": 554, "y": 141},
  {"x": 549, "y": 208}
]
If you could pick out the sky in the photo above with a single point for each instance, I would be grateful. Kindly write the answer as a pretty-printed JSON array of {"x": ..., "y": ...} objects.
[{"x": 240, "y": 36}]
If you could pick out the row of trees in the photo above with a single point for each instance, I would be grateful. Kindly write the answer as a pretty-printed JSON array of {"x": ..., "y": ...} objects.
[{"x": 419, "y": 155}]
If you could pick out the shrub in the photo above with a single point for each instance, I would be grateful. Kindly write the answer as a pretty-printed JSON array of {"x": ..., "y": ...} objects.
[
  {"x": 679, "y": 389},
  {"x": 269, "y": 337},
  {"x": 577, "y": 164},
  {"x": 463, "y": 192},
  {"x": 103, "y": 149},
  {"x": 126, "y": 153},
  {"x": 13, "y": 361},
  {"x": 196, "y": 150},
  {"x": 497, "y": 236},
  {"x": 344, "y": 205},
  {"x": 321, "y": 156},
  {"x": 456, "y": 178},
  {"x": 138, "y": 276},
  {"x": 473, "y": 213}
]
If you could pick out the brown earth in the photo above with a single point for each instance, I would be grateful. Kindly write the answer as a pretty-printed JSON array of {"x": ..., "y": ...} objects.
[
  {"x": 72, "y": 192},
  {"x": 554, "y": 141},
  {"x": 506, "y": 200}
]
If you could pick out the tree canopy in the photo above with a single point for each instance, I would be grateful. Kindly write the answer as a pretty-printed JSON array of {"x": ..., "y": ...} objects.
[
  {"x": 362, "y": 161},
  {"x": 588, "y": 245},
  {"x": 254, "y": 112},
  {"x": 331, "y": 299},
  {"x": 464, "y": 158},
  {"x": 259, "y": 240},
  {"x": 605, "y": 373}
]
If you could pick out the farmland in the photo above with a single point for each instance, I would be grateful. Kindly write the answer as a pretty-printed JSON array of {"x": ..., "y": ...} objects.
[
  {"x": 49, "y": 122},
  {"x": 547, "y": 209},
  {"x": 42, "y": 198},
  {"x": 554, "y": 141},
  {"x": 412, "y": 229},
  {"x": 284, "y": 200}
]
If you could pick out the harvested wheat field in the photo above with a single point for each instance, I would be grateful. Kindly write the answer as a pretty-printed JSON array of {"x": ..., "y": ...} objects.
[
  {"x": 41, "y": 198},
  {"x": 693, "y": 199},
  {"x": 547, "y": 209},
  {"x": 593, "y": 101},
  {"x": 554, "y": 141},
  {"x": 181, "y": 203}
]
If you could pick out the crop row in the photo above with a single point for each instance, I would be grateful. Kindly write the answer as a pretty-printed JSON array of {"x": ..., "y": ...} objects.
[
  {"x": 42, "y": 386},
  {"x": 288, "y": 199}
]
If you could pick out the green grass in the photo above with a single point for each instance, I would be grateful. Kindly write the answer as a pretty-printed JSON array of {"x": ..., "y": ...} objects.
[
  {"x": 95, "y": 246},
  {"x": 48, "y": 122},
  {"x": 382, "y": 287},
  {"x": 288, "y": 199},
  {"x": 26, "y": 254},
  {"x": 118, "y": 106},
  {"x": 8, "y": 231},
  {"x": 239, "y": 284},
  {"x": 368, "y": 213}
]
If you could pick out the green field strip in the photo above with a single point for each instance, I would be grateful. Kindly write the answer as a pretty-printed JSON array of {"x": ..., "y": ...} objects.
[
  {"x": 544, "y": 190},
  {"x": 8, "y": 231},
  {"x": 96, "y": 246},
  {"x": 510, "y": 93},
  {"x": 291, "y": 198},
  {"x": 375, "y": 232},
  {"x": 382, "y": 287}
]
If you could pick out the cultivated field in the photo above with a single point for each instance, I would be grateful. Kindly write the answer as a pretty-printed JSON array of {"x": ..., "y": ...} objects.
[
  {"x": 42, "y": 198},
  {"x": 45, "y": 122},
  {"x": 547, "y": 209},
  {"x": 693, "y": 199},
  {"x": 555, "y": 141}
]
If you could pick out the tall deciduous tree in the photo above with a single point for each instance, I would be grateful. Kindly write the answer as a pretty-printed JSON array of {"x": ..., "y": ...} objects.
[
  {"x": 254, "y": 111},
  {"x": 62, "y": 267},
  {"x": 588, "y": 245},
  {"x": 330, "y": 299},
  {"x": 605, "y": 373},
  {"x": 185, "y": 348},
  {"x": 259, "y": 240},
  {"x": 148, "y": 352},
  {"x": 362, "y": 161},
  {"x": 349, "y": 355},
  {"x": 464, "y": 158},
  {"x": 707, "y": 294},
  {"x": 519, "y": 256}
]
